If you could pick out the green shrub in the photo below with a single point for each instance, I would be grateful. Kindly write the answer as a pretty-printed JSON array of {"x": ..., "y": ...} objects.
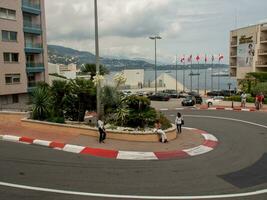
[
  {"x": 59, "y": 120},
  {"x": 165, "y": 123}
]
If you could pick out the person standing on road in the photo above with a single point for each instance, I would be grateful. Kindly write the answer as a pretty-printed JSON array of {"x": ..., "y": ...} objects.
[
  {"x": 159, "y": 131},
  {"x": 179, "y": 122},
  {"x": 243, "y": 100},
  {"x": 102, "y": 131}
]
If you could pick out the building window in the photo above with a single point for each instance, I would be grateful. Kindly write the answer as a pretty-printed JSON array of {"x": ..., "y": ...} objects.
[
  {"x": 11, "y": 57},
  {"x": 15, "y": 98},
  {"x": 9, "y": 36},
  {"x": 12, "y": 79},
  {"x": 7, "y": 13}
]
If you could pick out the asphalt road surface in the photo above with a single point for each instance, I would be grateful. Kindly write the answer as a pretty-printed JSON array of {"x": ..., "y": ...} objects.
[{"x": 237, "y": 165}]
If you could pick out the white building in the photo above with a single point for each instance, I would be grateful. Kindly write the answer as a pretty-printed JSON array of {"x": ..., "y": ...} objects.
[
  {"x": 135, "y": 78},
  {"x": 166, "y": 81},
  {"x": 68, "y": 71}
]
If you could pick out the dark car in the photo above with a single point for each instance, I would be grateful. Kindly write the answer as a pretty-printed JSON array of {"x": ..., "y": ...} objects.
[
  {"x": 198, "y": 98},
  {"x": 171, "y": 93},
  {"x": 214, "y": 93},
  {"x": 159, "y": 97},
  {"x": 189, "y": 101}
]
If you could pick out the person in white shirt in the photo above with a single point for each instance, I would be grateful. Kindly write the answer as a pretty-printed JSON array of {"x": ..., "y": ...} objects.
[
  {"x": 102, "y": 132},
  {"x": 243, "y": 100},
  {"x": 179, "y": 121},
  {"x": 159, "y": 131}
]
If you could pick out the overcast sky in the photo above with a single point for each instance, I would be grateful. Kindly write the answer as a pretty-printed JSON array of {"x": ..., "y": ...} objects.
[{"x": 186, "y": 26}]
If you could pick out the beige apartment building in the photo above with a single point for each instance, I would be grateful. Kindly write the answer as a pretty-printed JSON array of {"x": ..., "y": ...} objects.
[
  {"x": 23, "y": 50},
  {"x": 248, "y": 50}
]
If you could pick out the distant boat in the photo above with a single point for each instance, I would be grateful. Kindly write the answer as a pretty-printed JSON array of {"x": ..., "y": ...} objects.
[
  {"x": 194, "y": 74},
  {"x": 223, "y": 74}
]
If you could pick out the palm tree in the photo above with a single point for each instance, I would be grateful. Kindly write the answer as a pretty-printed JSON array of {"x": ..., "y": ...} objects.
[
  {"x": 41, "y": 100},
  {"x": 91, "y": 69}
]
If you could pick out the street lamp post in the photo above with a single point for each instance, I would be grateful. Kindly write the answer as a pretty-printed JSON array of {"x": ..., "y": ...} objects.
[
  {"x": 98, "y": 106},
  {"x": 155, "y": 38},
  {"x": 176, "y": 75}
]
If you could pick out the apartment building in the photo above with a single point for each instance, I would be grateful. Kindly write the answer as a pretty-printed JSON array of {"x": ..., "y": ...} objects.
[
  {"x": 248, "y": 50},
  {"x": 23, "y": 50}
]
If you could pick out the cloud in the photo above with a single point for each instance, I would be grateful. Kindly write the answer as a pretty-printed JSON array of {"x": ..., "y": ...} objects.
[{"x": 187, "y": 26}]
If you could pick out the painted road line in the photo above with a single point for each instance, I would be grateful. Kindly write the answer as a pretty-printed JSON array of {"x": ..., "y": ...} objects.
[
  {"x": 42, "y": 142},
  {"x": 163, "y": 109},
  {"x": 225, "y": 118},
  {"x": 90, "y": 194},
  {"x": 201, "y": 149},
  {"x": 228, "y": 109},
  {"x": 133, "y": 155},
  {"x": 208, "y": 136},
  {"x": 11, "y": 138},
  {"x": 212, "y": 108},
  {"x": 73, "y": 148},
  {"x": 179, "y": 108}
]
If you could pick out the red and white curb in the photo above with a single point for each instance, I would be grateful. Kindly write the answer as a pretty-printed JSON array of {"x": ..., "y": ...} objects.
[
  {"x": 212, "y": 108},
  {"x": 208, "y": 145},
  {"x": 231, "y": 109}
]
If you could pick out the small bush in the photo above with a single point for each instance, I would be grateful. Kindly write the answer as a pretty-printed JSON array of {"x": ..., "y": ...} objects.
[
  {"x": 59, "y": 120},
  {"x": 165, "y": 123}
]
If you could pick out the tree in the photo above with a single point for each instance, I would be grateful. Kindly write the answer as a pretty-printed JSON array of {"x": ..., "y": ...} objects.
[
  {"x": 41, "y": 100},
  {"x": 85, "y": 92},
  {"x": 59, "y": 89},
  {"x": 91, "y": 69}
]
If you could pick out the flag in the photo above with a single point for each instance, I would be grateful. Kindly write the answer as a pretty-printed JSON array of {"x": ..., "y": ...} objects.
[
  {"x": 220, "y": 57},
  {"x": 212, "y": 58},
  {"x": 206, "y": 59},
  {"x": 182, "y": 60},
  {"x": 198, "y": 58},
  {"x": 190, "y": 58}
]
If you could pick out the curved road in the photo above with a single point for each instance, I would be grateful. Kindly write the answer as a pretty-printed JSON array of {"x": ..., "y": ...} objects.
[{"x": 237, "y": 165}]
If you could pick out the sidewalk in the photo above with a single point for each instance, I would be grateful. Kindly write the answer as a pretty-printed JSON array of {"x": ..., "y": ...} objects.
[
  {"x": 187, "y": 139},
  {"x": 236, "y": 106}
]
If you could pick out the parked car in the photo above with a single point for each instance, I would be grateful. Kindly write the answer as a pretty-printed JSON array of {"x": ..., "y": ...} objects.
[
  {"x": 171, "y": 93},
  {"x": 189, "y": 101},
  {"x": 214, "y": 93},
  {"x": 183, "y": 94},
  {"x": 217, "y": 100},
  {"x": 198, "y": 98},
  {"x": 159, "y": 97}
]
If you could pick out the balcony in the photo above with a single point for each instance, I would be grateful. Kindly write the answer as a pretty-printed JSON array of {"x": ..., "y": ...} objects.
[
  {"x": 263, "y": 39},
  {"x": 234, "y": 43},
  {"x": 29, "y": 27},
  {"x": 262, "y": 52},
  {"x": 264, "y": 28},
  {"x": 34, "y": 67},
  {"x": 233, "y": 54},
  {"x": 233, "y": 64},
  {"x": 261, "y": 63},
  {"x": 32, "y": 85},
  {"x": 33, "y": 48},
  {"x": 32, "y": 8}
]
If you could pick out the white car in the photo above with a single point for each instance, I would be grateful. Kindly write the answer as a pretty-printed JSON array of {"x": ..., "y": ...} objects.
[{"x": 217, "y": 100}]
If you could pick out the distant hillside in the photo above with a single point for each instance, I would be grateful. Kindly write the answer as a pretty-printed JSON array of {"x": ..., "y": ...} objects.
[{"x": 63, "y": 55}]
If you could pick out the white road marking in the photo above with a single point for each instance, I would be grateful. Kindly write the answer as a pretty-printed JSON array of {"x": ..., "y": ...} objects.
[
  {"x": 179, "y": 108},
  {"x": 201, "y": 149},
  {"x": 68, "y": 192},
  {"x": 228, "y": 109},
  {"x": 212, "y": 108},
  {"x": 164, "y": 109},
  {"x": 73, "y": 148},
  {"x": 134, "y": 155},
  {"x": 208, "y": 136},
  {"x": 225, "y": 118}
]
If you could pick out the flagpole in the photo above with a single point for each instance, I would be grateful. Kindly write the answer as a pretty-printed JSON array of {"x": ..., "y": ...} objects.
[
  {"x": 198, "y": 74},
  {"x": 191, "y": 74},
  {"x": 205, "y": 75},
  {"x": 176, "y": 57},
  {"x": 184, "y": 75},
  {"x": 211, "y": 85},
  {"x": 219, "y": 75}
]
